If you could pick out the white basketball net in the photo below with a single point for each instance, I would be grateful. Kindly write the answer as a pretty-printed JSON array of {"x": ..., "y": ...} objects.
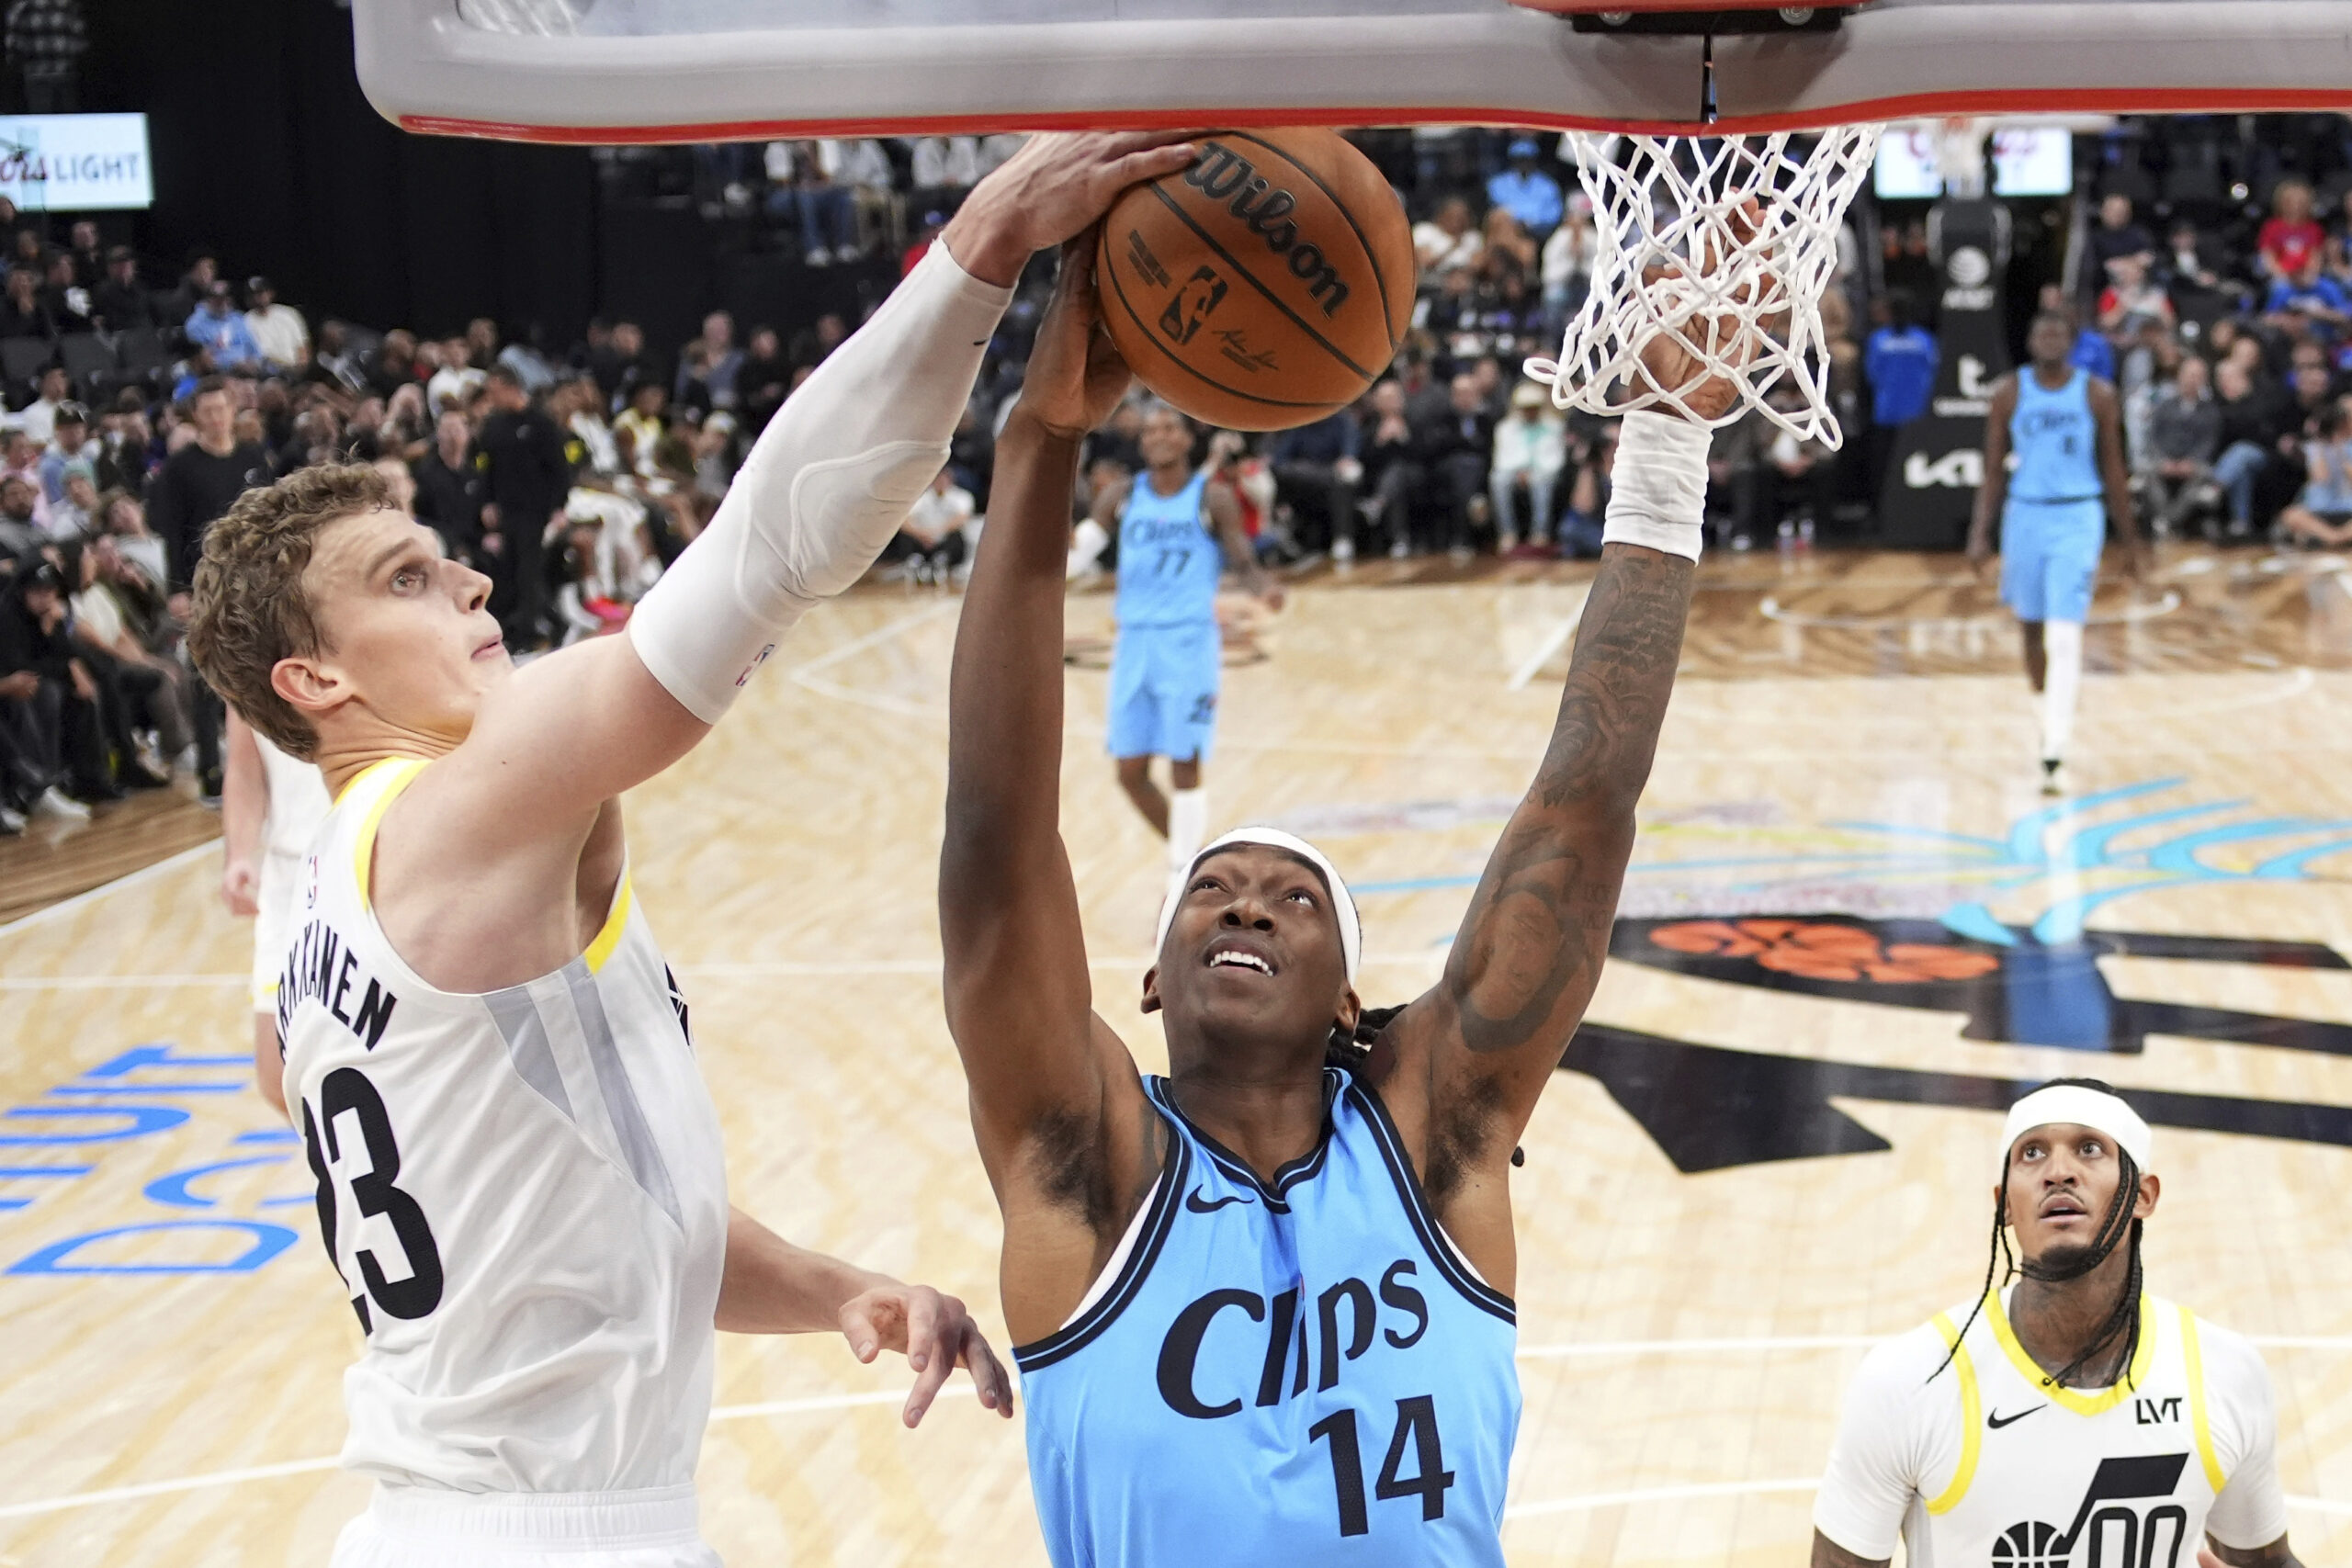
[{"x": 1724, "y": 244}]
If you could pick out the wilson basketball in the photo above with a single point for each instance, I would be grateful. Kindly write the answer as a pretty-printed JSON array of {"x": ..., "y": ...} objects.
[{"x": 1265, "y": 285}]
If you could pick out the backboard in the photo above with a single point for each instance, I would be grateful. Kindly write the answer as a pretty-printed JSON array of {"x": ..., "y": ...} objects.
[{"x": 617, "y": 70}]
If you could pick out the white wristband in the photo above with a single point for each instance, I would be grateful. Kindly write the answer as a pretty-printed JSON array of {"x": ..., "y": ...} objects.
[{"x": 1658, "y": 489}]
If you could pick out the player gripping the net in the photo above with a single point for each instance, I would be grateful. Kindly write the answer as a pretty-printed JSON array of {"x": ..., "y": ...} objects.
[
  {"x": 519, "y": 1171},
  {"x": 1264, "y": 1304}
]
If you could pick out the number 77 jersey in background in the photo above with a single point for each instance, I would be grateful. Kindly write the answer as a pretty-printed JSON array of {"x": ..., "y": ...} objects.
[
  {"x": 1293, "y": 1371},
  {"x": 522, "y": 1191}
]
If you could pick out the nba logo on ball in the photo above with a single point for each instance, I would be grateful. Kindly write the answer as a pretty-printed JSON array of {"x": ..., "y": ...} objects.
[{"x": 1264, "y": 287}]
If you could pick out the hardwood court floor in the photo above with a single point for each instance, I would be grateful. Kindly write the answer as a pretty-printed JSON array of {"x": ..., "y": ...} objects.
[{"x": 1852, "y": 923}]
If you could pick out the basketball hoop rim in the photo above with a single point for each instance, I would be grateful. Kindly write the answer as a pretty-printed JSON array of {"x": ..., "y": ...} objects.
[{"x": 1901, "y": 107}]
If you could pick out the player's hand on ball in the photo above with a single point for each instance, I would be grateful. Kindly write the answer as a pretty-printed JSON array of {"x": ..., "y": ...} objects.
[
  {"x": 1056, "y": 185},
  {"x": 1075, "y": 376},
  {"x": 935, "y": 1334}
]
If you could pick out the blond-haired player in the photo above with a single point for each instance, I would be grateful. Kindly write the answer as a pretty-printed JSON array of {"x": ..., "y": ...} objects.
[
  {"x": 2073, "y": 1421},
  {"x": 518, "y": 1164}
]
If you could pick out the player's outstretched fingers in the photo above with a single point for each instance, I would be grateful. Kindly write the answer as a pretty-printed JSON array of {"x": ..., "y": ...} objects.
[
  {"x": 929, "y": 1352},
  {"x": 988, "y": 1373},
  {"x": 860, "y": 1327}
]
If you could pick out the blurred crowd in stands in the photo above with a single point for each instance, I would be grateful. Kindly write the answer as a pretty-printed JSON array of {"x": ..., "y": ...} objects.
[{"x": 2211, "y": 280}]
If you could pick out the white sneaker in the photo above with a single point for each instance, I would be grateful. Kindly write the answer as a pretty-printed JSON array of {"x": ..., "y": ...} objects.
[
  {"x": 11, "y": 821},
  {"x": 1399, "y": 550},
  {"x": 821, "y": 258},
  {"x": 2053, "y": 776},
  {"x": 57, "y": 802}
]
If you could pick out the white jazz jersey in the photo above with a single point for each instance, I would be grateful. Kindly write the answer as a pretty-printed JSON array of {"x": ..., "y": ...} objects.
[
  {"x": 298, "y": 804},
  {"x": 521, "y": 1190},
  {"x": 1987, "y": 1465}
]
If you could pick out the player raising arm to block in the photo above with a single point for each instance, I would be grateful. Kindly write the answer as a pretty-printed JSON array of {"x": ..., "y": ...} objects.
[
  {"x": 519, "y": 1172},
  {"x": 1265, "y": 1302}
]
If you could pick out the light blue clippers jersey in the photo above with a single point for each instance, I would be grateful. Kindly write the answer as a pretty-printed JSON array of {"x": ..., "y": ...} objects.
[
  {"x": 1294, "y": 1372},
  {"x": 2056, "y": 440},
  {"x": 1169, "y": 559}
]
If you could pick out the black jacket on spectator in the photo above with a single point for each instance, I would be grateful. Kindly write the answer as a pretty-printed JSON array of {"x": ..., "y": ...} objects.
[
  {"x": 450, "y": 500},
  {"x": 25, "y": 646},
  {"x": 1440, "y": 435},
  {"x": 16, "y": 323},
  {"x": 121, "y": 307},
  {"x": 2262, "y": 416},
  {"x": 529, "y": 476},
  {"x": 191, "y": 491}
]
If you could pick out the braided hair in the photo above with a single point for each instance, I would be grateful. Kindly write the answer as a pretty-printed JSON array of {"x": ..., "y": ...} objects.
[
  {"x": 2118, "y": 1222},
  {"x": 1348, "y": 1051}
]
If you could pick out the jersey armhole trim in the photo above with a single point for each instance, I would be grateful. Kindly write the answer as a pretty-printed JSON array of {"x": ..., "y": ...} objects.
[
  {"x": 616, "y": 922},
  {"x": 1971, "y": 1411},
  {"x": 1090, "y": 1324},
  {"x": 1434, "y": 1241},
  {"x": 402, "y": 773},
  {"x": 2195, "y": 1357}
]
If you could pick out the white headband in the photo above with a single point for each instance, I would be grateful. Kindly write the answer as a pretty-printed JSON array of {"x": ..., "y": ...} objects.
[
  {"x": 1343, "y": 904},
  {"x": 2083, "y": 1108}
]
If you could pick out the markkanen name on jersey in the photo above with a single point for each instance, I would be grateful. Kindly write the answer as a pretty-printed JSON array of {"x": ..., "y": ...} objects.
[{"x": 321, "y": 965}]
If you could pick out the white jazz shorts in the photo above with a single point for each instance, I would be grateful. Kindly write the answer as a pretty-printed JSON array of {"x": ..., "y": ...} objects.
[
  {"x": 412, "y": 1526},
  {"x": 281, "y": 880}
]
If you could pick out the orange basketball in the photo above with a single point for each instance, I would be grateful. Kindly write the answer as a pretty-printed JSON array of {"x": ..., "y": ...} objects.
[{"x": 1264, "y": 287}]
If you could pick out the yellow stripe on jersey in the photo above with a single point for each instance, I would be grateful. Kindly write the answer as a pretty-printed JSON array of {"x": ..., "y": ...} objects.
[
  {"x": 2196, "y": 1360},
  {"x": 1971, "y": 1407},
  {"x": 609, "y": 937},
  {"x": 363, "y": 855},
  {"x": 364, "y": 775},
  {"x": 2095, "y": 1404}
]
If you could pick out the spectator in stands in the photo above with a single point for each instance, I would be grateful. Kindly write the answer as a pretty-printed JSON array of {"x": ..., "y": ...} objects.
[
  {"x": 2256, "y": 430},
  {"x": 2308, "y": 292},
  {"x": 1530, "y": 448},
  {"x": 2132, "y": 301},
  {"x": 1567, "y": 266},
  {"x": 641, "y": 426},
  {"x": 216, "y": 327},
  {"x": 22, "y": 314},
  {"x": 2184, "y": 436},
  {"x": 137, "y": 691},
  {"x": 761, "y": 380},
  {"x": 450, "y": 489},
  {"x": 1901, "y": 361},
  {"x": 2192, "y": 260},
  {"x": 75, "y": 513},
  {"x": 89, "y": 256},
  {"x": 708, "y": 367},
  {"x": 121, "y": 460},
  {"x": 68, "y": 302},
  {"x": 69, "y": 452},
  {"x": 1453, "y": 450},
  {"x": 1526, "y": 192},
  {"x": 2119, "y": 237},
  {"x": 800, "y": 192},
  {"x": 47, "y": 700},
  {"x": 944, "y": 168},
  {"x": 862, "y": 166},
  {"x": 1316, "y": 469},
  {"x": 2322, "y": 512},
  {"x": 930, "y": 544},
  {"x": 37, "y": 419},
  {"x": 22, "y": 509},
  {"x": 121, "y": 303},
  {"x": 1392, "y": 476},
  {"x": 125, "y": 521},
  {"x": 456, "y": 380},
  {"x": 2292, "y": 238},
  {"x": 813, "y": 344},
  {"x": 394, "y": 366},
  {"x": 202, "y": 479},
  {"x": 1448, "y": 240},
  {"x": 529, "y": 476},
  {"x": 279, "y": 330},
  {"x": 1735, "y": 488}
]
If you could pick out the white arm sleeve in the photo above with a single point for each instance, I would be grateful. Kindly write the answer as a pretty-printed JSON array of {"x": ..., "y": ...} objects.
[
  {"x": 824, "y": 489},
  {"x": 1877, "y": 1463},
  {"x": 1658, "y": 496},
  {"x": 2251, "y": 1511}
]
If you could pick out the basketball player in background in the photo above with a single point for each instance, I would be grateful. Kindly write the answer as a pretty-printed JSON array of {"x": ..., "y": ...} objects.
[
  {"x": 2065, "y": 427},
  {"x": 1264, "y": 1304},
  {"x": 1178, "y": 527},
  {"x": 2069, "y": 1419},
  {"x": 519, "y": 1171},
  {"x": 271, "y": 805}
]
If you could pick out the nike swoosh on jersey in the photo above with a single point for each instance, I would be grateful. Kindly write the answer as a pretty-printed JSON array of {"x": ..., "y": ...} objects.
[
  {"x": 1193, "y": 1200},
  {"x": 1997, "y": 1420}
]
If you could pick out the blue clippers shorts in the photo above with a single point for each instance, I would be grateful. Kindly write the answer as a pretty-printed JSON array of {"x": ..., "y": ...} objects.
[
  {"x": 1164, "y": 682},
  {"x": 2049, "y": 558}
]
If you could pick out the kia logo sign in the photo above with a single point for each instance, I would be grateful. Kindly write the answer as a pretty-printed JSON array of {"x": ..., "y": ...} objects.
[{"x": 1963, "y": 469}]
